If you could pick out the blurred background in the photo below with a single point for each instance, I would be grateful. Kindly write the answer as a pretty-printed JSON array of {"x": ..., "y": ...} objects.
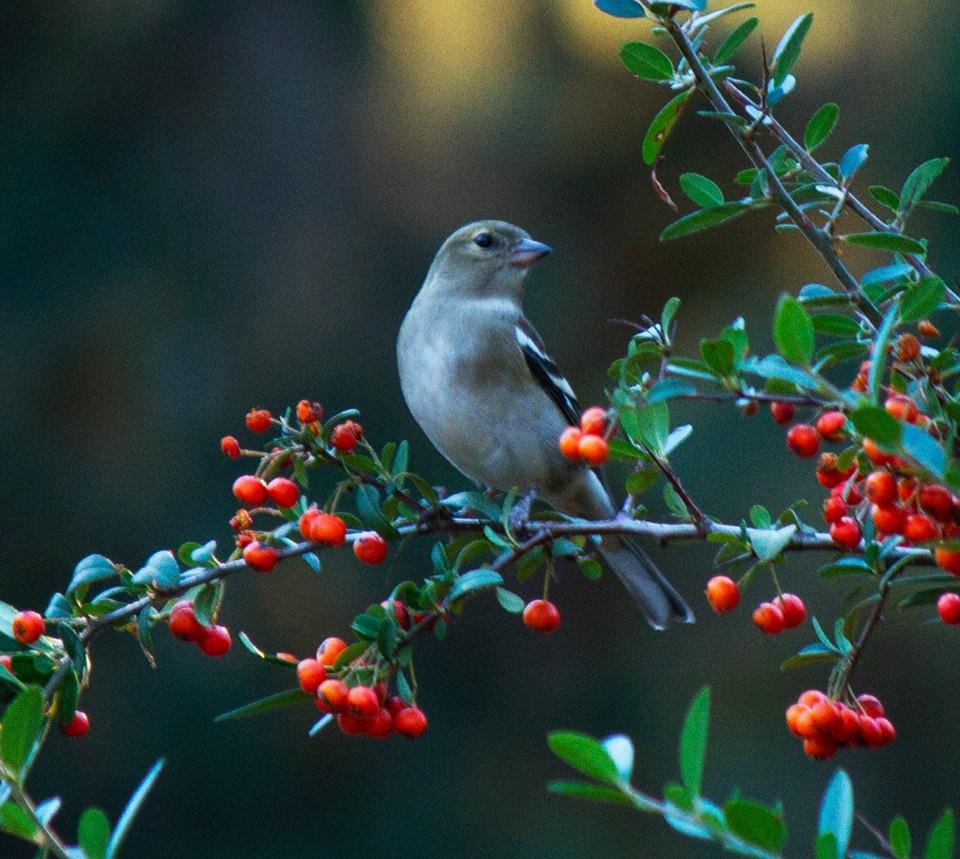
[{"x": 211, "y": 206}]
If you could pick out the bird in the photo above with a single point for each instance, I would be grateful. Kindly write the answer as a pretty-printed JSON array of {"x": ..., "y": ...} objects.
[{"x": 477, "y": 379}]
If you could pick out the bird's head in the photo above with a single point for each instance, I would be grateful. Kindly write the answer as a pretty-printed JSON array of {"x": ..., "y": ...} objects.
[{"x": 485, "y": 258}]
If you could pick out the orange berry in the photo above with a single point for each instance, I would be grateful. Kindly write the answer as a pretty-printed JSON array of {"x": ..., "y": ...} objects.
[
  {"x": 330, "y": 649},
  {"x": 723, "y": 594},
  {"x": 794, "y": 711},
  {"x": 569, "y": 442},
  {"x": 881, "y": 487},
  {"x": 875, "y": 454},
  {"x": 363, "y": 702},
  {"x": 849, "y": 725},
  {"x": 819, "y": 747},
  {"x": 948, "y": 560},
  {"x": 871, "y": 734},
  {"x": 887, "y": 519},
  {"x": 27, "y": 626},
  {"x": 768, "y": 618},
  {"x": 830, "y": 425},
  {"x": 230, "y": 446},
  {"x": 183, "y": 622},
  {"x": 410, "y": 721},
  {"x": 906, "y": 488},
  {"x": 286, "y": 656},
  {"x": 826, "y": 716},
  {"x": 804, "y": 724},
  {"x": 310, "y": 674},
  {"x": 345, "y": 436},
  {"x": 305, "y": 521},
  {"x": 948, "y": 607},
  {"x": 283, "y": 491},
  {"x": 782, "y": 412},
  {"x": 541, "y": 616},
  {"x": 833, "y": 510},
  {"x": 250, "y": 490},
  {"x": 902, "y": 408},
  {"x": 927, "y": 329},
  {"x": 309, "y": 412},
  {"x": 370, "y": 547},
  {"x": 919, "y": 528},
  {"x": 259, "y": 557},
  {"x": 258, "y": 420},
  {"x": 215, "y": 641},
  {"x": 938, "y": 501},
  {"x": 594, "y": 421},
  {"x": 846, "y": 533},
  {"x": 333, "y": 693},
  {"x": 792, "y": 608},
  {"x": 812, "y": 697},
  {"x": 78, "y": 726},
  {"x": 381, "y": 724},
  {"x": 908, "y": 347},
  {"x": 803, "y": 440},
  {"x": 593, "y": 449},
  {"x": 328, "y": 529}
]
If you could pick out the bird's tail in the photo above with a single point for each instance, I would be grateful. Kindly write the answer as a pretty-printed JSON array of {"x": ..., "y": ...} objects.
[{"x": 657, "y": 599}]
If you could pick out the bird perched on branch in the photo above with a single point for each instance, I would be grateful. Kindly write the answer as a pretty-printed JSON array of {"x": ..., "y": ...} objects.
[{"x": 469, "y": 360}]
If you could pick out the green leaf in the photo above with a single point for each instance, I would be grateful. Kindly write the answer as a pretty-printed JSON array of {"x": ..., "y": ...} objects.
[
  {"x": 584, "y": 754},
  {"x": 703, "y": 191},
  {"x": 620, "y": 749},
  {"x": 510, "y": 601},
  {"x": 137, "y": 798},
  {"x": 836, "y": 324},
  {"x": 93, "y": 833},
  {"x": 886, "y": 242},
  {"x": 878, "y": 424},
  {"x": 788, "y": 49},
  {"x": 475, "y": 501},
  {"x": 921, "y": 300},
  {"x": 22, "y": 723},
  {"x": 793, "y": 331},
  {"x": 853, "y": 159},
  {"x": 265, "y": 705},
  {"x": 919, "y": 182},
  {"x": 825, "y": 847},
  {"x": 368, "y": 508},
  {"x": 820, "y": 125},
  {"x": 591, "y": 568},
  {"x": 718, "y": 355},
  {"x": 886, "y": 273},
  {"x": 812, "y": 653},
  {"x": 941, "y": 838},
  {"x": 730, "y": 45},
  {"x": 667, "y": 389},
  {"x": 473, "y": 581},
  {"x": 620, "y": 8},
  {"x": 923, "y": 450},
  {"x": 92, "y": 568},
  {"x": 755, "y": 824},
  {"x": 668, "y": 313},
  {"x": 587, "y": 790},
  {"x": 16, "y": 821},
  {"x": 936, "y": 206},
  {"x": 646, "y": 61},
  {"x": 767, "y": 545},
  {"x": 662, "y": 125},
  {"x": 899, "y": 838},
  {"x": 693, "y": 741},
  {"x": 704, "y": 219},
  {"x": 836, "y": 811},
  {"x": 885, "y": 197}
]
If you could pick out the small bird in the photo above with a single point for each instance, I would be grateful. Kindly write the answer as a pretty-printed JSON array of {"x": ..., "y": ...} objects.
[{"x": 478, "y": 380}]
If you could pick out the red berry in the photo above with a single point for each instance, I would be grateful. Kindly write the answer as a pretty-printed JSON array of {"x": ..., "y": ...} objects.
[
  {"x": 594, "y": 421},
  {"x": 803, "y": 440},
  {"x": 333, "y": 693},
  {"x": 871, "y": 705},
  {"x": 541, "y": 616},
  {"x": 819, "y": 747},
  {"x": 881, "y": 487},
  {"x": 351, "y": 725},
  {"x": 230, "y": 446},
  {"x": 887, "y": 519},
  {"x": 811, "y": 697},
  {"x": 370, "y": 547},
  {"x": 792, "y": 608},
  {"x": 871, "y": 734},
  {"x": 887, "y": 731},
  {"x": 723, "y": 594},
  {"x": 259, "y": 557},
  {"x": 919, "y": 528},
  {"x": 948, "y": 560},
  {"x": 6, "y": 660},
  {"x": 183, "y": 622},
  {"x": 401, "y": 614},
  {"x": 593, "y": 449},
  {"x": 345, "y": 436},
  {"x": 846, "y": 533},
  {"x": 875, "y": 454},
  {"x": 826, "y": 716},
  {"x": 330, "y": 649},
  {"x": 309, "y": 412},
  {"x": 847, "y": 492},
  {"x": 327, "y": 529},
  {"x": 249, "y": 490},
  {"x": 215, "y": 641},
  {"x": 78, "y": 726},
  {"x": 937, "y": 501},
  {"x": 782, "y": 412},
  {"x": 569, "y": 442},
  {"x": 258, "y": 420},
  {"x": 794, "y": 712},
  {"x": 902, "y": 408},
  {"x": 830, "y": 425},
  {"x": 410, "y": 721},
  {"x": 768, "y": 618},
  {"x": 283, "y": 491},
  {"x": 948, "y": 606},
  {"x": 381, "y": 724},
  {"x": 27, "y": 626},
  {"x": 849, "y": 725},
  {"x": 363, "y": 702},
  {"x": 833, "y": 510}
]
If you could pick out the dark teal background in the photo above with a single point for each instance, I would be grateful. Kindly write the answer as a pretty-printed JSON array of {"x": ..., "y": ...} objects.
[{"x": 208, "y": 206}]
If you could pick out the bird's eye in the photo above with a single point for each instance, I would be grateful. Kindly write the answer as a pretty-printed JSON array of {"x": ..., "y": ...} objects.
[{"x": 483, "y": 240}]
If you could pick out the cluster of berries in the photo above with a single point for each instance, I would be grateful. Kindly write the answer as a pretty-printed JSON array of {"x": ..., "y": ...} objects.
[
  {"x": 824, "y": 724},
  {"x": 360, "y": 710},
  {"x": 785, "y": 611},
  {"x": 212, "y": 640},
  {"x": 587, "y": 442}
]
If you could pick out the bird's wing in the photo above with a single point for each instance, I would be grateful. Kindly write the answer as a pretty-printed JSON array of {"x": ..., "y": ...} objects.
[{"x": 546, "y": 373}]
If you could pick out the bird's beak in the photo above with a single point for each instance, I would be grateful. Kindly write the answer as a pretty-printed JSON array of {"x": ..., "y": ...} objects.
[{"x": 525, "y": 252}]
